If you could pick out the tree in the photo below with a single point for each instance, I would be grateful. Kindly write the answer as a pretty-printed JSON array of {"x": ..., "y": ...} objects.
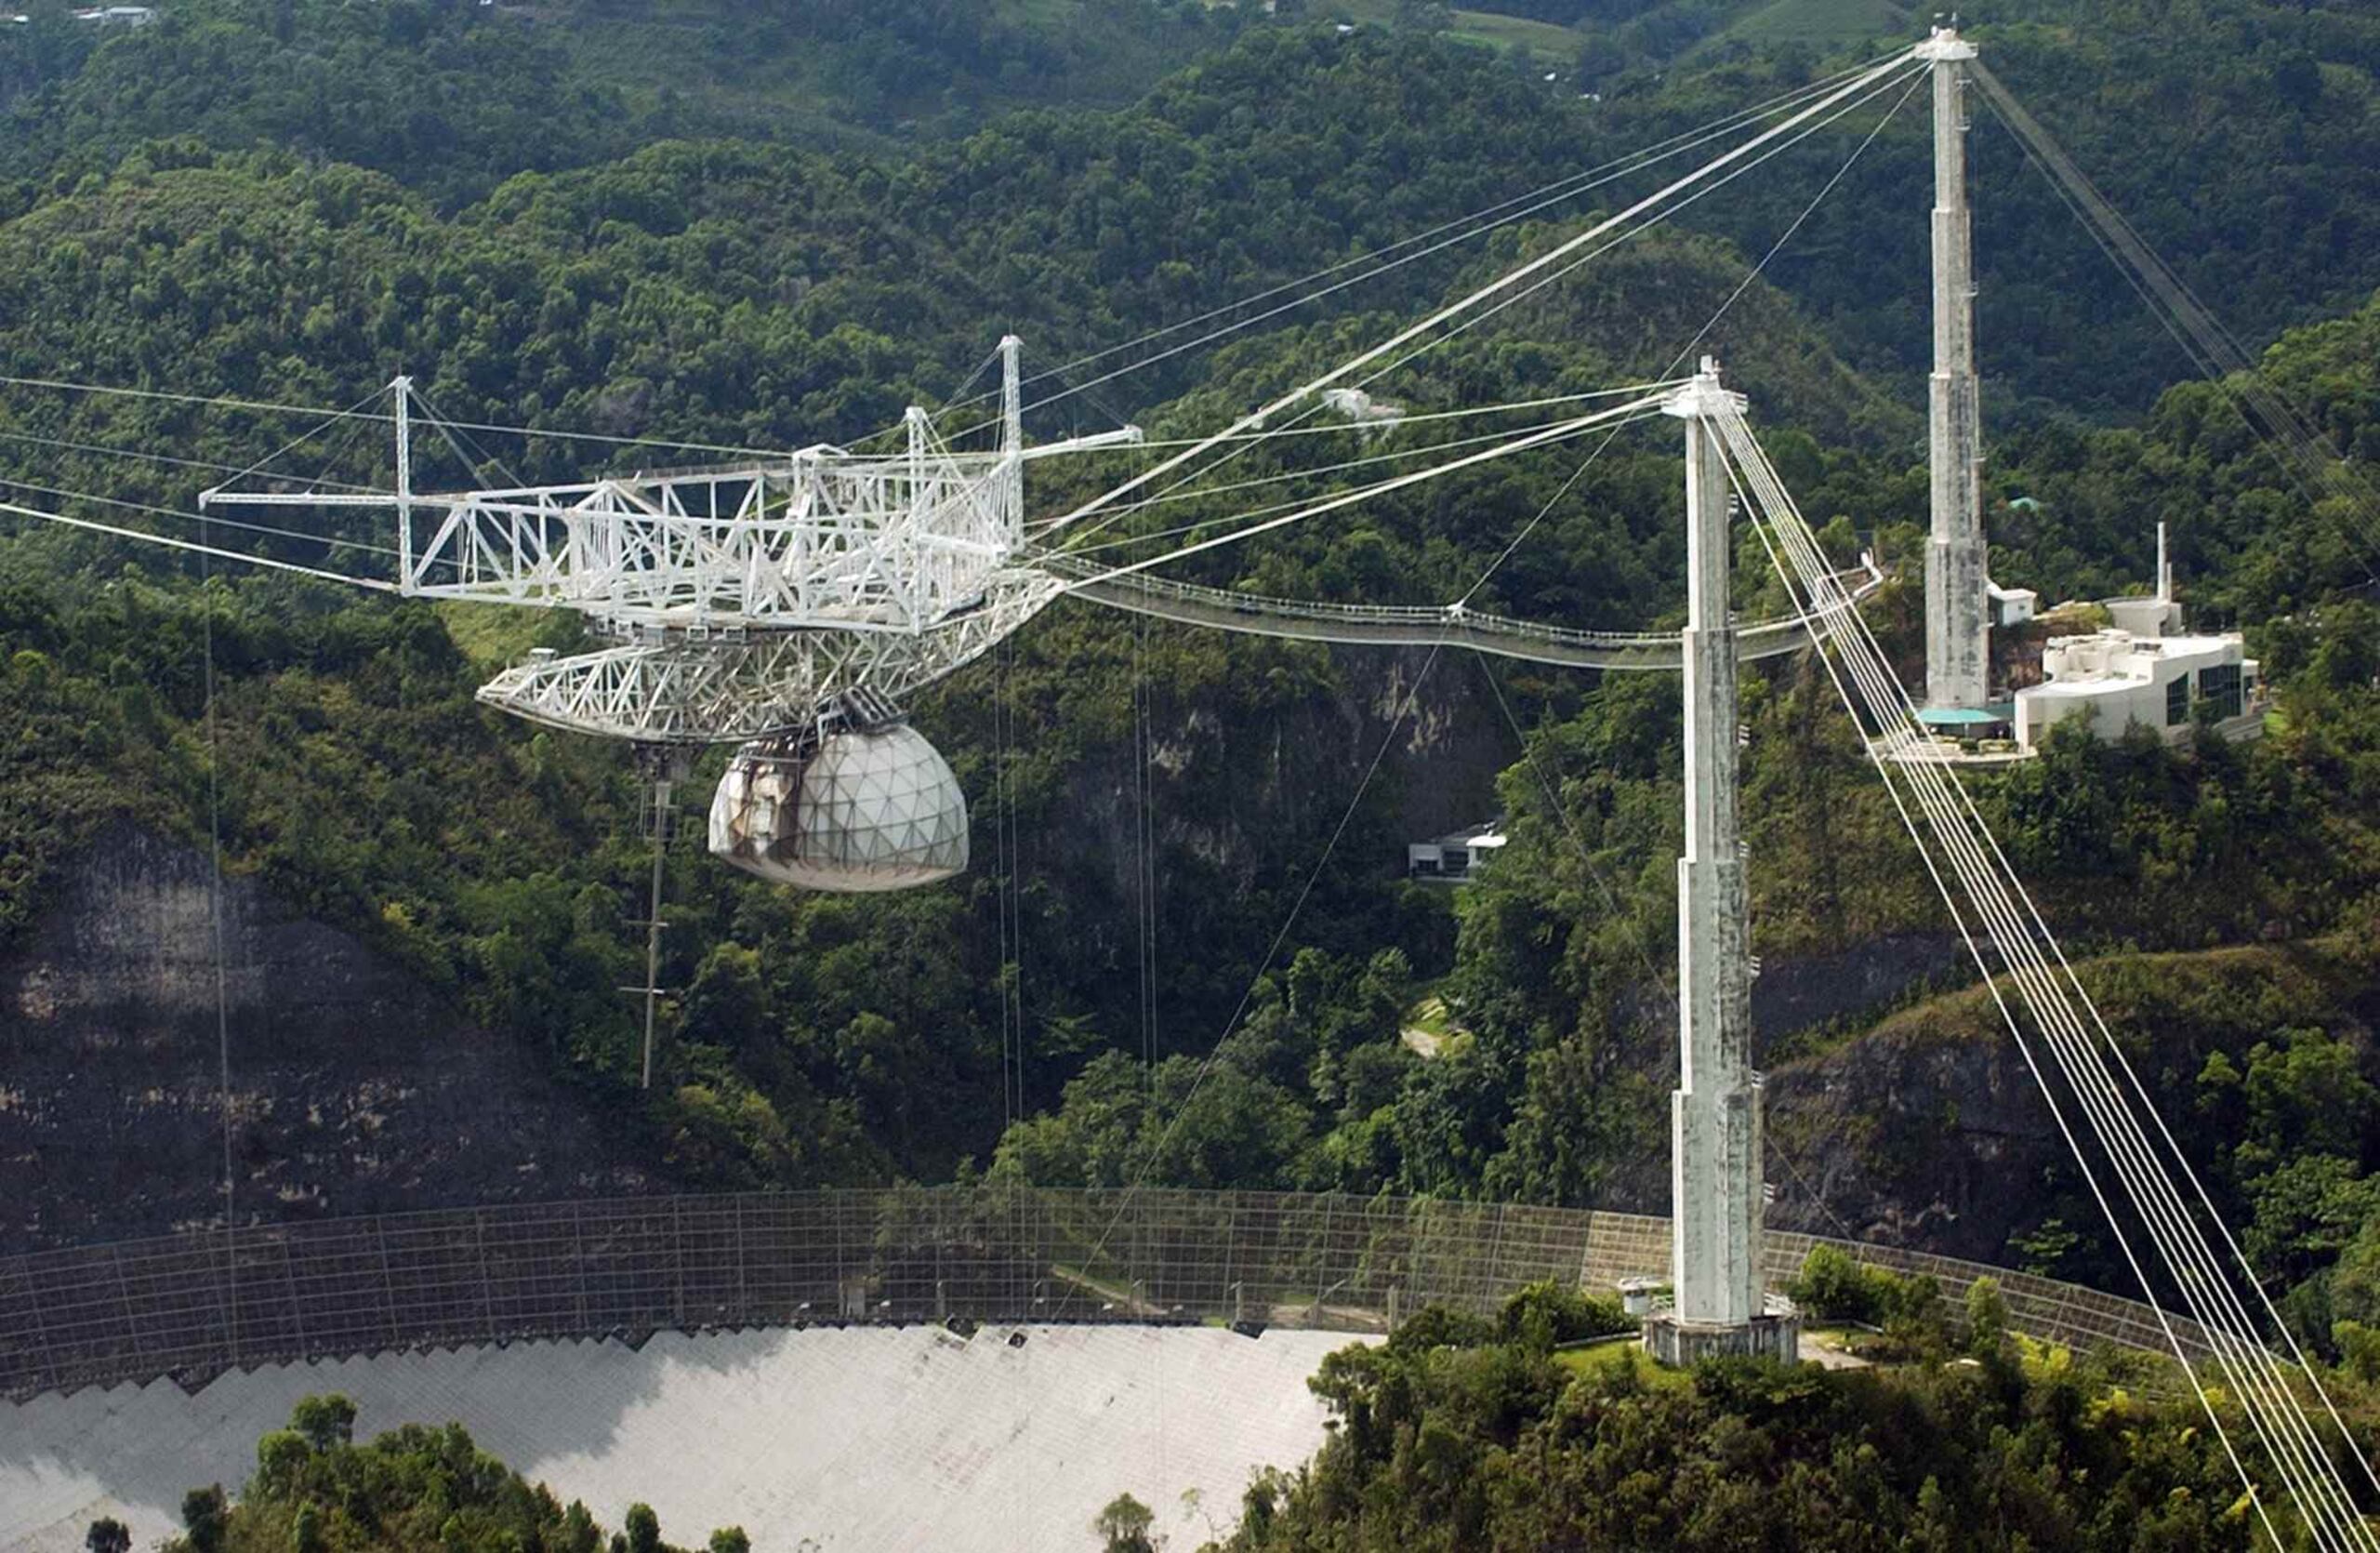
[
  {"x": 204, "y": 1515},
  {"x": 580, "y": 1534},
  {"x": 643, "y": 1528},
  {"x": 1986, "y": 1318},
  {"x": 108, "y": 1536},
  {"x": 1124, "y": 1525},
  {"x": 324, "y": 1421}
]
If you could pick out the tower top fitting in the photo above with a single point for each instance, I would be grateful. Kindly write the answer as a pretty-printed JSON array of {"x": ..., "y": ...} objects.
[
  {"x": 1945, "y": 44},
  {"x": 1701, "y": 394}
]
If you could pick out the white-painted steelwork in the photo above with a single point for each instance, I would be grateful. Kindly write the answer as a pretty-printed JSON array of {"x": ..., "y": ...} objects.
[
  {"x": 730, "y": 684},
  {"x": 747, "y": 596}
]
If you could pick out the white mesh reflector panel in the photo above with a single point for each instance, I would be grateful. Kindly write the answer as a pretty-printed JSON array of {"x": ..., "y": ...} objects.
[{"x": 873, "y": 810}]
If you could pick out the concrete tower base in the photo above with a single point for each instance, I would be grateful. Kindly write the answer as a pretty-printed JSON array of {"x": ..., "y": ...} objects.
[{"x": 1681, "y": 1343}]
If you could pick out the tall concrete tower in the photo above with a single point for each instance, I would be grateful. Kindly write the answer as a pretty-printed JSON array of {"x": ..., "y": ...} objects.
[
  {"x": 1957, "y": 657},
  {"x": 1715, "y": 1186}
]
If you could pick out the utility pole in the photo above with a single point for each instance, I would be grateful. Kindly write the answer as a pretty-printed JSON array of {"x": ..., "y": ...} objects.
[
  {"x": 1714, "y": 1114},
  {"x": 1957, "y": 626}
]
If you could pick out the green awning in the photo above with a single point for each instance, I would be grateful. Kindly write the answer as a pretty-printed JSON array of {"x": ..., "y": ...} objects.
[{"x": 1959, "y": 717}]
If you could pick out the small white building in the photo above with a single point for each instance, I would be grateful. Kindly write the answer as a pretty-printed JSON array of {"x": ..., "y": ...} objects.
[
  {"x": 119, "y": 15},
  {"x": 1361, "y": 407},
  {"x": 1453, "y": 858},
  {"x": 2146, "y": 668},
  {"x": 2012, "y": 606}
]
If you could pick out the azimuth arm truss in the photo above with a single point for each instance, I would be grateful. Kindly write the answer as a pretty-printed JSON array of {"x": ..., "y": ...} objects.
[{"x": 730, "y": 685}]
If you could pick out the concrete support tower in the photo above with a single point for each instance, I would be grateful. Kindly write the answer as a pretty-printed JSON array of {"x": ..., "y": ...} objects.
[
  {"x": 1957, "y": 657},
  {"x": 1715, "y": 1159}
]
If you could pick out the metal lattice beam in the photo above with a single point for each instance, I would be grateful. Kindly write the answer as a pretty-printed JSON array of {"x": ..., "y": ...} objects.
[{"x": 727, "y": 686}]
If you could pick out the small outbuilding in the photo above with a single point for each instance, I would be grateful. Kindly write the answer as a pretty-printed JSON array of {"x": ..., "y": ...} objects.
[{"x": 1455, "y": 857}]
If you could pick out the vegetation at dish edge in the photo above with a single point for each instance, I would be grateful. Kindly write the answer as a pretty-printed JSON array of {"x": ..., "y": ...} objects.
[
  {"x": 1460, "y": 1433},
  {"x": 412, "y": 1490},
  {"x": 1503, "y": 1432}
]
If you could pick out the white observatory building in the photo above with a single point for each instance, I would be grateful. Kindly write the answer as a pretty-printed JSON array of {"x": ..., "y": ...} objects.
[{"x": 2145, "y": 669}]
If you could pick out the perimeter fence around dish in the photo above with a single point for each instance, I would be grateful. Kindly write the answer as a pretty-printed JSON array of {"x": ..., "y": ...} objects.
[{"x": 193, "y": 1306}]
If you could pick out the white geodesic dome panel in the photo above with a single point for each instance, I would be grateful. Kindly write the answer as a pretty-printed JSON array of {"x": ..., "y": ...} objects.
[{"x": 867, "y": 810}]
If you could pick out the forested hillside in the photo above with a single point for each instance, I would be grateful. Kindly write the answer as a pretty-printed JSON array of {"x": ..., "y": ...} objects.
[
  {"x": 292, "y": 203},
  {"x": 1459, "y": 1433}
]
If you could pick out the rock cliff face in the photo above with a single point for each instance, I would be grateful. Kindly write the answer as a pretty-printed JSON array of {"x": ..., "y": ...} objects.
[
  {"x": 1940, "y": 1146},
  {"x": 1224, "y": 790},
  {"x": 353, "y": 1087},
  {"x": 1930, "y": 1144}
]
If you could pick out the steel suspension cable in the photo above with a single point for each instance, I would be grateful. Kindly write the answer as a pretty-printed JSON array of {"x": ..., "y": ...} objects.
[
  {"x": 1455, "y": 310},
  {"x": 65, "y": 446},
  {"x": 1712, "y": 322},
  {"x": 217, "y": 552},
  {"x": 206, "y": 520},
  {"x": 2040, "y": 1000},
  {"x": 1657, "y": 207},
  {"x": 1865, "y": 669},
  {"x": 2233, "y": 1324},
  {"x": 1655, "y": 219},
  {"x": 269, "y": 407},
  {"x": 1812, "y": 609},
  {"x": 1656, "y": 214},
  {"x": 1189, "y": 493},
  {"x": 1638, "y": 410},
  {"x": 1398, "y": 423},
  {"x": 2273, "y": 1408},
  {"x": 1485, "y": 219},
  {"x": 2212, "y": 349},
  {"x": 1652, "y": 220},
  {"x": 1149, "y": 1157}
]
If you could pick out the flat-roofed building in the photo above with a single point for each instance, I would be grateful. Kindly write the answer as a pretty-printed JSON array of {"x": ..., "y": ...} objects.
[
  {"x": 2112, "y": 679},
  {"x": 2146, "y": 667},
  {"x": 1454, "y": 858}
]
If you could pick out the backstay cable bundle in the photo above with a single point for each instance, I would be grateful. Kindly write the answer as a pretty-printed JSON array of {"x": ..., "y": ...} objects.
[{"x": 1983, "y": 892}]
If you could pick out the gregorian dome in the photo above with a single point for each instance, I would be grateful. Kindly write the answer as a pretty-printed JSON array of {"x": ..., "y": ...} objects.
[{"x": 864, "y": 805}]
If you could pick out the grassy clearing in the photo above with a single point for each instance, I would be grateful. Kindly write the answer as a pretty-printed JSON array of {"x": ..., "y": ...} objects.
[
  {"x": 1555, "y": 44},
  {"x": 1429, "y": 1026},
  {"x": 1820, "y": 23},
  {"x": 1548, "y": 42},
  {"x": 1605, "y": 1358},
  {"x": 491, "y": 636}
]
